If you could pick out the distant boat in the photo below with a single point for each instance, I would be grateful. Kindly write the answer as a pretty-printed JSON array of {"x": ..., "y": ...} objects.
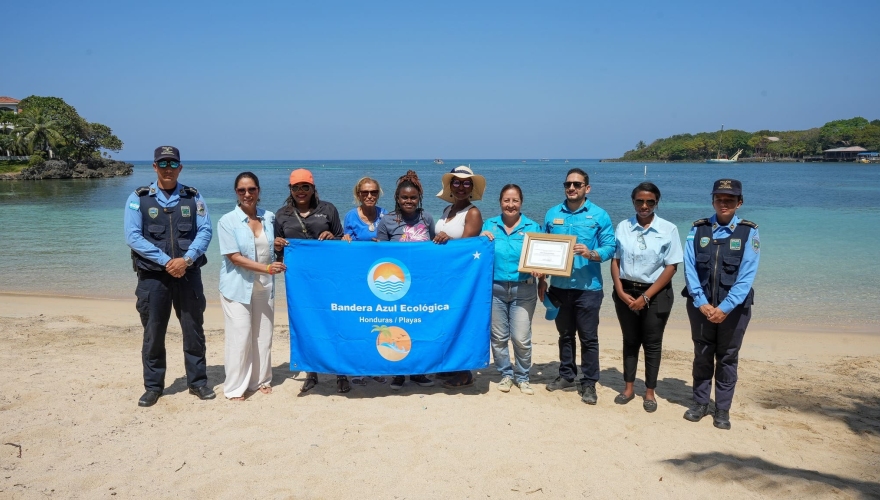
[
  {"x": 566, "y": 161},
  {"x": 544, "y": 159},
  {"x": 438, "y": 161},
  {"x": 719, "y": 159}
]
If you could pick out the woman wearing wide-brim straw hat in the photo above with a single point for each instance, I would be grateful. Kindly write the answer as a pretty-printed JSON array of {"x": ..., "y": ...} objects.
[{"x": 461, "y": 219}]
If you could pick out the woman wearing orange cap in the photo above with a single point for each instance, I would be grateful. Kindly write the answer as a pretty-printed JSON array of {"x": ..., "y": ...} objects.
[{"x": 305, "y": 216}]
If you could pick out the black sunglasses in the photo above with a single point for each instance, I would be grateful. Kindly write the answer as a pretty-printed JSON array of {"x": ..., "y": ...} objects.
[
  {"x": 168, "y": 163},
  {"x": 250, "y": 190},
  {"x": 650, "y": 203},
  {"x": 372, "y": 192},
  {"x": 459, "y": 183},
  {"x": 301, "y": 187},
  {"x": 568, "y": 184}
]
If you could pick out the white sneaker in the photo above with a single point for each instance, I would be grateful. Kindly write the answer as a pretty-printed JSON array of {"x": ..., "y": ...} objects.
[
  {"x": 525, "y": 388},
  {"x": 505, "y": 384}
]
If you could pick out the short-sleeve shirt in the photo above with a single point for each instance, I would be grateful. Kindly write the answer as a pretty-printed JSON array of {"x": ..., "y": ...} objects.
[
  {"x": 359, "y": 230},
  {"x": 322, "y": 218},
  {"x": 418, "y": 228},
  {"x": 644, "y": 253}
]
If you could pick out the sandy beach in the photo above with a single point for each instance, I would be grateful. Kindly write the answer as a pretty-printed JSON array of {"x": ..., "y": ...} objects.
[{"x": 806, "y": 422}]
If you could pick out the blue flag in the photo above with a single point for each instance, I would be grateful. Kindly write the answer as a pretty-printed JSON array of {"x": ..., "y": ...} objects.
[{"x": 366, "y": 308}]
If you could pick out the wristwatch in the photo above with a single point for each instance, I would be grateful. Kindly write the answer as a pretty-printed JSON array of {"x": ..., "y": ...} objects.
[{"x": 188, "y": 260}]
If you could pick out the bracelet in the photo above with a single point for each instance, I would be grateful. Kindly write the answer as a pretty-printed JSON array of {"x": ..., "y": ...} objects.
[
  {"x": 647, "y": 301},
  {"x": 269, "y": 269}
]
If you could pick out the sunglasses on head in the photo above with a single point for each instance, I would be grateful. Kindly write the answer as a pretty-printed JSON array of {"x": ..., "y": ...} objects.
[
  {"x": 167, "y": 163},
  {"x": 372, "y": 192},
  {"x": 456, "y": 183},
  {"x": 301, "y": 187},
  {"x": 639, "y": 202},
  {"x": 575, "y": 184},
  {"x": 250, "y": 190}
]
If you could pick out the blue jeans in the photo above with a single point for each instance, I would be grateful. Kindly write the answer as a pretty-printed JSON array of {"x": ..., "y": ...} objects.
[{"x": 513, "y": 304}]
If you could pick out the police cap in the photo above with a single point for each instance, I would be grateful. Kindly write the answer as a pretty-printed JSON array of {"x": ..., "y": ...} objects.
[{"x": 728, "y": 186}]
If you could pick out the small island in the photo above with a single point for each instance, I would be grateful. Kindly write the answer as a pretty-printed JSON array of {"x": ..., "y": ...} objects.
[
  {"x": 855, "y": 139},
  {"x": 45, "y": 138}
]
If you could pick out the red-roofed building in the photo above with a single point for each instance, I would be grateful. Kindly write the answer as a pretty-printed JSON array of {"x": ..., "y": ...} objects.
[{"x": 8, "y": 104}]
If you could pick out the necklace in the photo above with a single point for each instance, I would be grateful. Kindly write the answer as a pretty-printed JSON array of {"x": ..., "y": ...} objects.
[{"x": 371, "y": 226}]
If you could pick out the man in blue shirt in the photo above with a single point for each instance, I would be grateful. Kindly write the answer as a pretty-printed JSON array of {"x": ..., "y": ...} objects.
[
  {"x": 579, "y": 295},
  {"x": 168, "y": 250},
  {"x": 721, "y": 256}
]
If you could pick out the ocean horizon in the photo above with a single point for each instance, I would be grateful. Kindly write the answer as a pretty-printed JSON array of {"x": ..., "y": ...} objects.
[{"x": 65, "y": 237}]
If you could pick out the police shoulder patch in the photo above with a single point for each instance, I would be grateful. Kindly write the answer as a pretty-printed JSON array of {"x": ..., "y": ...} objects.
[
  {"x": 756, "y": 244},
  {"x": 690, "y": 237},
  {"x": 701, "y": 222},
  {"x": 200, "y": 208},
  {"x": 135, "y": 205}
]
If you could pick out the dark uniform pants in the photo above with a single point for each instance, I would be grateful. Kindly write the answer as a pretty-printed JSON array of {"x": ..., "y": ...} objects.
[
  {"x": 716, "y": 349},
  {"x": 643, "y": 329},
  {"x": 156, "y": 293},
  {"x": 579, "y": 313}
]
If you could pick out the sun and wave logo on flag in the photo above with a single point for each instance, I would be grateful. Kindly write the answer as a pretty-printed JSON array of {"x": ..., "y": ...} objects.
[{"x": 389, "y": 280}]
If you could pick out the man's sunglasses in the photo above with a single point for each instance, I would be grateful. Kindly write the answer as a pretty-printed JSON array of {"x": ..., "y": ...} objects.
[
  {"x": 250, "y": 190},
  {"x": 577, "y": 185},
  {"x": 459, "y": 183},
  {"x": 639, "y": 203},
  {"x": 167, "y": 163}
]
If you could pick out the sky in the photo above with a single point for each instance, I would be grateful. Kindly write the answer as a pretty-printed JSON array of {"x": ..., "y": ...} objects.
[{"x": 419, "y": 80}]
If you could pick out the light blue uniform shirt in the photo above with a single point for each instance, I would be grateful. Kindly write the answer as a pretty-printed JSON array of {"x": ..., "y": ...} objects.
[
  {"x": 237, "y": 283},
  {"x": 645, "y": 253},
  {"x": 747, "y": 268},
  {"x": 593, "y": 228},
  {"x": 133, "y": 222},
  {"x": 508, "y": 247}
]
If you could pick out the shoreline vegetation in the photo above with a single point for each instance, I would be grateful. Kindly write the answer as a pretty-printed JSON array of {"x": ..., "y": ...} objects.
[
  {"x": 48, "y": 139},
  {"x": 758, "y": 147}
]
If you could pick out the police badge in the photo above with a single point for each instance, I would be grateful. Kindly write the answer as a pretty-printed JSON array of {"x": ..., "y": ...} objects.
[
  {"x": 185, "y": 212},
  {"x": 154, "y": 212},
  {"x": 736, "y": 244},
  {"x": 704, "y": 241}
]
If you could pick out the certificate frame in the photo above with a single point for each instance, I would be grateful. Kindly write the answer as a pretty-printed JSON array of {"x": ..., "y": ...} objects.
[{"x": 545, "y": 253}]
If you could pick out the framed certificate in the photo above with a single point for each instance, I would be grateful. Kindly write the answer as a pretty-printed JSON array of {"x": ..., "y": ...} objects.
[{"x": 547, "y": 254}]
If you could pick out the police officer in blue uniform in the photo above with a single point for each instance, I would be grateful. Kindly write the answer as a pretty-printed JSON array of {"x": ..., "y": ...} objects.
[
  {"x": 168, "y": 229},
  {"x": 720, "y": 262}
]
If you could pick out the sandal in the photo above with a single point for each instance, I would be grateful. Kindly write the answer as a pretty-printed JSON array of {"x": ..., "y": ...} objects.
[
  {"x": 361, "y": 381},
  {"x": 379, "y": 380},
  {"x": 310, "y": 383},
  {"x": 265, "y": 389},
  {"x": 459, "y": 381},
  {"x": 342, "y": 385}
]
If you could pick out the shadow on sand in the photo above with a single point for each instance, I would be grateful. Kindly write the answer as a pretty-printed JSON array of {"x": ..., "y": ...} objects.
[{"x": 769, "y": 479}]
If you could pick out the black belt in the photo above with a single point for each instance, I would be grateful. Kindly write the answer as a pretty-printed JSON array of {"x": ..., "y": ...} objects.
[{"x": 635, "y": 285}]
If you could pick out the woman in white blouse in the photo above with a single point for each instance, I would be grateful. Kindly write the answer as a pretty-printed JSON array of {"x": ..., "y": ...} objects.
[
  {"x": 647, "y": 256},
  {"x": 247, "y": 291}
]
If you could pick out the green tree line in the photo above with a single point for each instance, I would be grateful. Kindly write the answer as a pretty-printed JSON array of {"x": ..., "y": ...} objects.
[
  {"x": 48, "y": 127},
  {"x": 763, "y": 143}
]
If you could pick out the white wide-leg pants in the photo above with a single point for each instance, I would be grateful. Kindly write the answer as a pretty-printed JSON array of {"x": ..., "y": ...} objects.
[{"x": 248, "y": 357}]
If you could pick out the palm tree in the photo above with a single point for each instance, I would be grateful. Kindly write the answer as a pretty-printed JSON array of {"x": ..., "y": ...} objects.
[{"x": 37, "y": 128}]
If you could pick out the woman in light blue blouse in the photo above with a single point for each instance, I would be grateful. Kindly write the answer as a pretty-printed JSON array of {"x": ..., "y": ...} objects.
[
  {"x": 362, "y": 221},
  {"x": 514, "y": 294},
  {"x": 361, "y": 224},
  {"x": 247, "y": 290},
  {"x": 647, "y": 256}
]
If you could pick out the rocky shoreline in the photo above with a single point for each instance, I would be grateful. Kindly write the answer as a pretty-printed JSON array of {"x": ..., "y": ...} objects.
[{"x": 58, "y": 169}]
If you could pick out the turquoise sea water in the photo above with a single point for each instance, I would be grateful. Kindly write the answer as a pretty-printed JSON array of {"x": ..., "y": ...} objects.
[{"x": 818, "y": 244}]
